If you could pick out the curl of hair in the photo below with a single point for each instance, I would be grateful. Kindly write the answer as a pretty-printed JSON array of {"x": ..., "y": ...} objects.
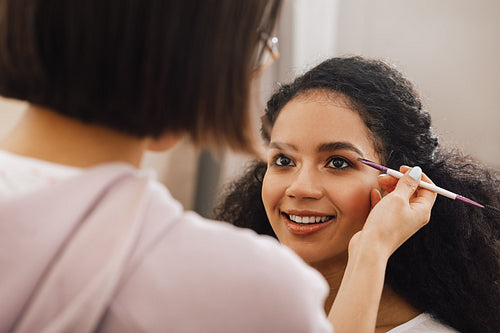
[
  {"x": 451, "y": 267},
  {"x": 241, "y": 201}
]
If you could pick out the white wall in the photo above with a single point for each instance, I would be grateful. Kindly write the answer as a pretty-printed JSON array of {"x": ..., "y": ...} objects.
[{"x": 450, "y": 49}]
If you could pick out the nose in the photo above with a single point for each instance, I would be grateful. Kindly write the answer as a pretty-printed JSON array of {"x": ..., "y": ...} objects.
[{"x": 305, "y": 185}]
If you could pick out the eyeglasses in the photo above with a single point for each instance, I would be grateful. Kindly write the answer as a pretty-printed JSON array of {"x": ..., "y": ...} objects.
[{"x": 267, "y": 52}]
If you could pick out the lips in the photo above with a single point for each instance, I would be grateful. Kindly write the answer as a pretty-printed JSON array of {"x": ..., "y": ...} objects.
[
  {"x": 304, "y": 225},
  {"x": 308, "y": 219}
]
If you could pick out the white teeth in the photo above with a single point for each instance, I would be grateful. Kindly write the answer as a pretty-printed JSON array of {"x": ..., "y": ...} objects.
[{"x": 309, "y": 219}]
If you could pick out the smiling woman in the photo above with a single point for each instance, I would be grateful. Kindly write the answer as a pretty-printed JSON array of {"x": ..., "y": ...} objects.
[
  {"x": 313, "y": 175},
  {"x": 315, "y": 196}
]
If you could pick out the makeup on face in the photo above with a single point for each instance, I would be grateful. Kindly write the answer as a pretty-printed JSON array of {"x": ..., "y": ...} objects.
[
  {"x": 316, "y": 195},
  {"x": 307, "y": 223}
]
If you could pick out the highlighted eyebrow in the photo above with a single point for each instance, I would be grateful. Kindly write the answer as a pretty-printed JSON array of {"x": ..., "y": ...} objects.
[
  {"x": 339, "y": 145},
  {"x": 324, "y": 147},
  {"x": 282, "y": 146}
]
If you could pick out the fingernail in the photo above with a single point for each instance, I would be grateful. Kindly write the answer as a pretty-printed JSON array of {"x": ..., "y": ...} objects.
[
  {"x": 415, "y": 173},
  {"x": 382, "y": 175}
]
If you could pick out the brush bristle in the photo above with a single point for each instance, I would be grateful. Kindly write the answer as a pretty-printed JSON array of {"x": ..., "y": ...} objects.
[{"x": 492, "y": 209}]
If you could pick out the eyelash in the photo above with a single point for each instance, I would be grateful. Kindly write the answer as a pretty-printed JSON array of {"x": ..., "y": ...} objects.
[
  {"x": 276, "y": 158},
  {"x": 337, "y": 158}
]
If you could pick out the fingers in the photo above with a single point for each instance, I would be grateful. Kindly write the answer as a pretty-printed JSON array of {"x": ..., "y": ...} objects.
[
  {"x": 425, "y": 198},
  {"x": 408, "y": 184},
  {"x": 388, "y": 182},
  {"x": 404, "y": 168},
  {"x": 404, "y": 204},
  {"x": 421, "y": 201}
]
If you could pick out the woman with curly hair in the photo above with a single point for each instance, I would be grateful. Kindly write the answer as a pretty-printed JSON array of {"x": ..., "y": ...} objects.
[{"x": 313, "y": 195}]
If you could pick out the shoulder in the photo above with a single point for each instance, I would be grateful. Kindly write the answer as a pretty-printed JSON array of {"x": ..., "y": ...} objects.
[{"x": 229, "y": 278}]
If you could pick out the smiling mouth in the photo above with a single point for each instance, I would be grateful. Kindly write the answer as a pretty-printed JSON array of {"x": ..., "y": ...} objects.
[{"x": 307, "y": 220}]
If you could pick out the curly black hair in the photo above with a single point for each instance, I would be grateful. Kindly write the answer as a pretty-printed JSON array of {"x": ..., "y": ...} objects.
[{"x": 451, "y": 267}]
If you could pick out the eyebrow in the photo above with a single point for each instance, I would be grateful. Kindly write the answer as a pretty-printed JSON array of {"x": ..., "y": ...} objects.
[
  {"x": 282, "y": 146},
  {"x": 324, "y": 147},
  {"x": 338, "y": 145}
]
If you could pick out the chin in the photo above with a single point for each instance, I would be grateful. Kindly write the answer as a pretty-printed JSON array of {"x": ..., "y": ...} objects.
[{"x": 317, "y": 257}]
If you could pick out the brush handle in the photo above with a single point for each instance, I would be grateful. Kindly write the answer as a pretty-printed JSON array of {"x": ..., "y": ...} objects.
[
  {"x": 425, "y": 185},
  {"x": 428, "y": 186}
]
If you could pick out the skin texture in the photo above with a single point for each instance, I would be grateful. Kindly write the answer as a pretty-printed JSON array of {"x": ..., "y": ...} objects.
[
  {"x": 312, "y": 171},
  {"x": 77, "y": 144}
]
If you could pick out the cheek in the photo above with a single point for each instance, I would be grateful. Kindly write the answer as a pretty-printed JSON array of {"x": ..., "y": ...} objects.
[
  {"x": 272, "y": 193},
  {"x": 353, "y": 199},
  {"x": 271, "y": 190}
]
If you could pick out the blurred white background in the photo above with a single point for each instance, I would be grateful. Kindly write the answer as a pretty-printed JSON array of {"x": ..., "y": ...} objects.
[{"x": 450, "y": 49}]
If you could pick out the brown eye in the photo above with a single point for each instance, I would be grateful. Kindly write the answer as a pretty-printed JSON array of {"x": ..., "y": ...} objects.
[
  {"x": 282, "y": 161},
  {"x": 338, "y": 163}
]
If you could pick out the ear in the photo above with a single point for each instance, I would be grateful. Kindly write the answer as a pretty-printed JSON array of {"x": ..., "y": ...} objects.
[
  {"x": 375, "y": 197},
  {"x": 164, "y": 142}
]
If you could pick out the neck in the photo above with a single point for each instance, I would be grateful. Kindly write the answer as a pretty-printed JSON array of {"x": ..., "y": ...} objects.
[
  {"x": 47, "y": 135},
  {"x": 393, "y": 309},
  {"x": 333, "y": 272}
]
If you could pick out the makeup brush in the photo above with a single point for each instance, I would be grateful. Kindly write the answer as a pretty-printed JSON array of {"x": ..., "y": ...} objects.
[{"x": 431, "y": 187}]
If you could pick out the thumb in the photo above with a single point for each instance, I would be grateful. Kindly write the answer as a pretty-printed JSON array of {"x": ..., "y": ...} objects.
[{"x": 408, "y": 184}]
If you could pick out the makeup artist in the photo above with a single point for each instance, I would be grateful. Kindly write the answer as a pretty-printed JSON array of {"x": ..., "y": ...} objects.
[{"x": 91, "y": 243}]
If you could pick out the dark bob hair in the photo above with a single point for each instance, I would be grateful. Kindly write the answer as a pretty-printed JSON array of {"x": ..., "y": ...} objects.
[{"x": 142, "y": 67}]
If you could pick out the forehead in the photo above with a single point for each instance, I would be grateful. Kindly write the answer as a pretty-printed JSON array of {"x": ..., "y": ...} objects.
[{"x": 316, "y": 118}]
